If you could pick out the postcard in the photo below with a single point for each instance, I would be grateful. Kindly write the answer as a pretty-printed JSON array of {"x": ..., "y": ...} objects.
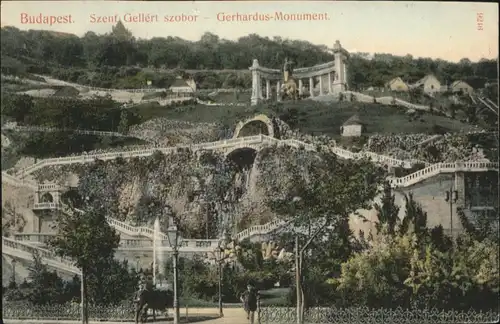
[{"x": 250, "y": 161}]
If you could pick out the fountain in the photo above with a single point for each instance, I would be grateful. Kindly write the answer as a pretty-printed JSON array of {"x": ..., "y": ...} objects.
[{"x": 157, "y": 242}]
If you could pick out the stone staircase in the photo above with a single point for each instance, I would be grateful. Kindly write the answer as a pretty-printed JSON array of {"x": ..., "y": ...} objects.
[
  {"x": 25, "y": 251},
  {"x": 16, "y": 182},
  {"x": 261, "y": 140},
  {"x": 224, "y": 144}
]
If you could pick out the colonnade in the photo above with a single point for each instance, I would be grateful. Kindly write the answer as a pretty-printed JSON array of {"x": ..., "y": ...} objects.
[{"x": 331, "y": 78}]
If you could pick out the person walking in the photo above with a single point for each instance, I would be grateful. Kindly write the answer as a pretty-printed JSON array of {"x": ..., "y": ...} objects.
[{"x": 249, "y": 300}]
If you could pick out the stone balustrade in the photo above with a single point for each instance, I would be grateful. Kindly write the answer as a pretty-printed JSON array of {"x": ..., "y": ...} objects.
[
  {"x": 55, "y": 129},
  {"x": 144, "y": 90},
  {"x": 437, "y": 168},
  {"x": 33, "y": 238},
  {"x": 224, "y": 144},
  {"x": 387, "y": 100},
  {"x": 260, "y": 229},
  {"x": 46, "y": 205},
  {"x": 48, "y": 187},
  {"x": 26, "y": 251}
]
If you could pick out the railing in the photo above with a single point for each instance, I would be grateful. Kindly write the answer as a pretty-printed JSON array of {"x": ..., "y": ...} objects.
[
  {"x": 48, "y": 187},
  {"x": 33, "y": 238},
  {"x": 148, "y": 232},
  {"x": 388, "y": 100},
  {"x": 258, "y": 139},
  {"x": 67, "y": 312},
  {"x": 55, "y": 129},
  {"x": 46, "y": 205},
  {"x": 87, "y": 158},
  {"x": 26, "y": 251},
  {"x": 365, "y": 315},
  {"x": 50, "y": 80},
  {"x": 260, "y": 229},
  {"x": 442, "y": 168}
]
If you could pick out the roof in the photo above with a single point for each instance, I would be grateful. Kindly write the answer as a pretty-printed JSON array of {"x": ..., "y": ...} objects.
[
  {"x": 353, "y": 120},
  {"x": 455, "y": 83},
  {"x": 179, "y": 82},
  {"x": 394, "y": 80},
  {"x": 424, "y": 79}
]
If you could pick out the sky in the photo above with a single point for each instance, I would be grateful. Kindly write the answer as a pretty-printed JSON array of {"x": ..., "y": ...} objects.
[{"x": 445, "y": 30}]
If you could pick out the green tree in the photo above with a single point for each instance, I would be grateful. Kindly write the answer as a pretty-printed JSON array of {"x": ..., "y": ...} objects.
[
  {"x": 123, "y": 126},
  {"x": 16, "y": 106},
  {"x": 387, "y": 211},
  {"x": 320, "y": 193},
  {"x": 462, "y": 278},
  {"x": 87, "y": 238},
  {"x": 415, "y": 218},
  {"x": 47, "y": 287},
  {"x": 375, "y": 277}
]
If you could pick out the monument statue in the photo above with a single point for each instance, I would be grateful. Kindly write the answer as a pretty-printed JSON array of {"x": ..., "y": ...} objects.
[
  {"x": 287, "y": 70},
  {"x": 289, "y": 87}
]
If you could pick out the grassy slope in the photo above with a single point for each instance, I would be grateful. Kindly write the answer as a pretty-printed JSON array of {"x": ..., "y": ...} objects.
[{"x": 315, "y": 117}]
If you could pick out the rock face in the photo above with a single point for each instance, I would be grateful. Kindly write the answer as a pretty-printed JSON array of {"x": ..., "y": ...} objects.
[
  {"x": 17, "y": 214},
  {"x": 203, "y": 189}
]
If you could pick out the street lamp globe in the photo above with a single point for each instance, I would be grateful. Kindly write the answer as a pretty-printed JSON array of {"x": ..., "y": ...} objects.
[{"x": 173, "y": 236}]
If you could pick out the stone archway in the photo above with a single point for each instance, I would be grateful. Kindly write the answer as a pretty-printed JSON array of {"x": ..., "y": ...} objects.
[
  {"x": 260, "y": 124},
  {"x": 46, "y": 198},
  {"x": 243, "y": 158}
]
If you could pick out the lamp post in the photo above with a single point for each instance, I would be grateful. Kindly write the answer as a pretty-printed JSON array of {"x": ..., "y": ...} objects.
[
  {"x": 219, "y": 254},
  {"x": 137, "y": 258},
  {"x": 451, "y": 197},
  {"x": 219, "y": 258},
  {"x": 173, "y": 240},
  {"x": 295, "y": 201}
]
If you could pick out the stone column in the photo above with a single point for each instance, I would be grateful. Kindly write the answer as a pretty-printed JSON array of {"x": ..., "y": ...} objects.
[
  {"x": 340, "y": 55},
  {"x": 345, "y": 74},
  {"x": 330, "y": 82},
  {"x": 268, "y": 89},
  {"x": 311, "y": 86},
  {"x": 301, "y": 86},
  {"x": 278, "y": 89},
  {"x": 256, "y": 83},
  {"x": 320, "y": 85}
]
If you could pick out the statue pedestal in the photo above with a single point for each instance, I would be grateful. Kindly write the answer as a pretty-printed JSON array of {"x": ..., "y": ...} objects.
[{"x": 338, "y": 87}]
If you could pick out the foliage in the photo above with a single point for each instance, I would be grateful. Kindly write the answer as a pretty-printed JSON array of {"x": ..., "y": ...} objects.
[
  {"x": 466, "y": 277},
  {"x": 375, "y": 277},
  {"x": 44, "y": 287},
  {"x": 328, "y": 188},
  {"x": 317, "y": 193},
  {"x": 414, "y": 221},
  {"x": 387, "y": 211},
  {"x": 70, "y": 57},
  {"x": 399, "y": 271},
  {"x": 484, "y": 227},
  {"x": 98, "y": 113},
  {"x": 56, "y": 144},
  {"x": 87, "y": 238}
]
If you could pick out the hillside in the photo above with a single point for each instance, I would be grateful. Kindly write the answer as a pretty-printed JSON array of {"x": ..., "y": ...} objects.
[
  {"x": 315, "y": 118},
  {"x": 213, "y": 62}
]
